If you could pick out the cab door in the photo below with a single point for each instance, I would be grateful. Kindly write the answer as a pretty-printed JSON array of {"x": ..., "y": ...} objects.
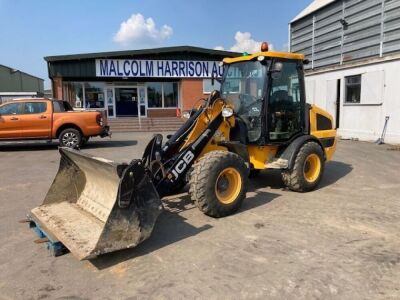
[
  {"x": 36, "y": 119},
  {"x": 286, "y": 101},
  {"x": 10, "y": 125}
]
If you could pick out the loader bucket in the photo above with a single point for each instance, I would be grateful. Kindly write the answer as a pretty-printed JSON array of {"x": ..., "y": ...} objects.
[{"x": 95, "y": 206}]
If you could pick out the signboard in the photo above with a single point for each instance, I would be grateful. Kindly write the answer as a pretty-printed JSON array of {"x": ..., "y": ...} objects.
[{"x": 157, "y": 68}]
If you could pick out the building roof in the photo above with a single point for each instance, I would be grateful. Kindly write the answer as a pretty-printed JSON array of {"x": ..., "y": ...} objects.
[
  {"x": 163, "y": 50},
  {"x": 313, "y": 7},
  {"x": 13, "y": 70}
]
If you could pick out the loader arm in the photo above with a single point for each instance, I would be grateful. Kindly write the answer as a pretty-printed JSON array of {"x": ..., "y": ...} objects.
[{"x": 186, "y": 146}]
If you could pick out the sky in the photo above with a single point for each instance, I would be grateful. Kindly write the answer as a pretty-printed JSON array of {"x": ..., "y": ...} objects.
[{"x": 33, "y": 29}]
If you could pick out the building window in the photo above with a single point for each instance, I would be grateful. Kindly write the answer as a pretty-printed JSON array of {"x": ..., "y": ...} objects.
[
  {"x": 94, "y": 94},
  {"x": 73, "y": 93},
  {"x": 208, "y": 87},
  {"x": 61, "y": 106},
  {"x": 170, "y": 91},
  {"x": 154, "y": 94},
  {"x": 353, "y": 89},
  {"x": 162, "y": 94}
]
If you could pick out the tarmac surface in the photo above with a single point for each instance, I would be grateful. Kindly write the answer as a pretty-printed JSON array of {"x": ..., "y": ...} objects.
[{"x": 338, "y": 242}]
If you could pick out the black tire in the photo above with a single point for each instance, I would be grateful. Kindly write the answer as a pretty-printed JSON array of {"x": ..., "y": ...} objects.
[
  {"x": 254, "y": 173},
  {"x": 70, "y": 137},
  {"x": 218, "y": 183},
  {"x": 307, "y": 170}
]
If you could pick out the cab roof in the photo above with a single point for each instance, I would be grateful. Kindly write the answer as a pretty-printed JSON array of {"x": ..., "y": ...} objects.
[{"x": 286, "y": 55}]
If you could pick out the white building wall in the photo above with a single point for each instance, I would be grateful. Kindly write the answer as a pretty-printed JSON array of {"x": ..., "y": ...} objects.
[{"x": 380, "y": 97}]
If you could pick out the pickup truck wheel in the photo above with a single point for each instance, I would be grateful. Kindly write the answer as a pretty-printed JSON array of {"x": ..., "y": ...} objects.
[{"x": 71, "y": 138}]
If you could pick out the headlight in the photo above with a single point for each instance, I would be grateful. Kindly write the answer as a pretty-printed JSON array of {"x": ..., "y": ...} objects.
[
  {"x": 186, "y": 115},
  {"x": 227, "y": 112}
]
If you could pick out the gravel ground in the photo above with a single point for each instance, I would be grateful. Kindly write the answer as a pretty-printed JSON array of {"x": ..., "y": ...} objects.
[{"x": 338, "y": 242}]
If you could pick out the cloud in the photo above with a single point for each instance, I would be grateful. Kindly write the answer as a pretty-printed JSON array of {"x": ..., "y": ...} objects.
[
  {"x": 141, "y": 32},
  {"x": 219, "y": 48},
  {"x": 244, "y": 43}
]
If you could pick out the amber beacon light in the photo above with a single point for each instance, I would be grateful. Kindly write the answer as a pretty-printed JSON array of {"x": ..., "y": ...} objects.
[{"x": 264, "y": 47}]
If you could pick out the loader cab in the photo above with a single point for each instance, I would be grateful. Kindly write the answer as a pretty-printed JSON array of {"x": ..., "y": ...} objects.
[
  {"x": 285, "y": 111},
  {"x": 267, "y": 96}
]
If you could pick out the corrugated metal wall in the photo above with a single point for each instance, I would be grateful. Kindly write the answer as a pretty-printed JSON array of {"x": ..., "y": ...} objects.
[
  {"x": 17, "y": 81},
  {"x": 348, "y": 30},
  {"x": 391, "y": 28}
]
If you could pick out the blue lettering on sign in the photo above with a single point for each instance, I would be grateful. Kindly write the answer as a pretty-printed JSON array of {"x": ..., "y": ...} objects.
[
  {"x": 214, "y": 70},
  {"x": 182, "y": 68},
  {"x": 142, "y": 69},
  {"x": 112, "y": 69},
  {"x": 119, "y": 73},
  {"x": 175, "y": 68},
  {"x": 198, "y": 69},
  {"x": 126, "y": 70},
  {"x": 205, "y": 68},
  {"x": 191, "y": 68},
  {"x": 157, "y": 68},
  {"x": 103, "y": 68},
  {"x": 160, "y": 68},
  {"x": 221, "y": 71},
  {"x": 149, "y": 68},
  {"x": 134, "y": 68},
  {"x": 167, "y": 69}
]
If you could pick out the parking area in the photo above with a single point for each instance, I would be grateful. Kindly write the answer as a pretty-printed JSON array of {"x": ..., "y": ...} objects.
[{"x": 338, "y": 242}]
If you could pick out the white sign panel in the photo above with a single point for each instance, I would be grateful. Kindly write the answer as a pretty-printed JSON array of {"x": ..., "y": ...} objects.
[{"x": 157, "y": 68}]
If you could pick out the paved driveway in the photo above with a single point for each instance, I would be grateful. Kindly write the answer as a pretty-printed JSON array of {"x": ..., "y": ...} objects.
[{"x": 339, "y": 242}]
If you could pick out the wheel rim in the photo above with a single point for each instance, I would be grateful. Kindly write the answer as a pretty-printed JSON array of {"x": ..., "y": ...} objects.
[
  {"x": 70, "y": 139},
  {"x": 228, "y": 185},
  {"x": 312, "y": 167}
]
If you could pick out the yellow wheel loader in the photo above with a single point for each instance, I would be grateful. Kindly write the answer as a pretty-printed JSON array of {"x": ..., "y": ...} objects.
[{"x": 258, "y": 120}]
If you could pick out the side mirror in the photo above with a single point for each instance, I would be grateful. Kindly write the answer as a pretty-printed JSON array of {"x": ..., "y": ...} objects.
[{"x": 213, "y": 79}]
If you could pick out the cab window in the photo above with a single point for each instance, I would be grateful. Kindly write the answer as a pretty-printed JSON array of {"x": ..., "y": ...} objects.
[
  {"x": 285, "y": 103},
  {"x": 243, "y": 89},
  {"x": 35, "y": 107},
  {"x": 10, "y": 109},
  {"x": 61, "y": 106}
]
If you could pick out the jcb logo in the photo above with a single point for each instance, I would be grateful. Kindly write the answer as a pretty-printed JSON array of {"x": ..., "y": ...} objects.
[{"x": 182, "y": 164}]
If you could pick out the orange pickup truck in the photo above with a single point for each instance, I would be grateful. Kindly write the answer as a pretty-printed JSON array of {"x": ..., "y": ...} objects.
[{"x": 46, "y": 119}]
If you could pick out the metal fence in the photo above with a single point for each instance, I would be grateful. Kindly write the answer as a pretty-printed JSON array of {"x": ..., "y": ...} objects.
[{"x": 348, "y": 30}]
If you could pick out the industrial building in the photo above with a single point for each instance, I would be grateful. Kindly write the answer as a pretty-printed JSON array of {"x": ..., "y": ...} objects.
[
  {"x": 16, "y": 84},
  {"x": 150, "y": 83},
  {"x": 353, "y": 48}
]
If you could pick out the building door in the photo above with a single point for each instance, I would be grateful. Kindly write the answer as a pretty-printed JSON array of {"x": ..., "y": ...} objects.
[
  {"x": 142, "y": 100},
  {"x": 333, "y": 99},
  {"x": 126, "y": 101},
  {"x": 110, "y": 101},
  {"x": 338, "y": 85}
]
